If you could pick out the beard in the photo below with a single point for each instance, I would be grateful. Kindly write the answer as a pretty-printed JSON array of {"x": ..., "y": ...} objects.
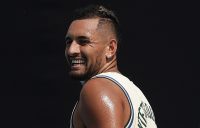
[
  {"x": 78, "y": 76},
  {"x": 82, "y": 76},
  {"x": 85, "y": 73}
]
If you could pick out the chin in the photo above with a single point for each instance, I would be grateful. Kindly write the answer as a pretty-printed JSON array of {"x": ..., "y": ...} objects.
[{"x": 77, "y": 76}]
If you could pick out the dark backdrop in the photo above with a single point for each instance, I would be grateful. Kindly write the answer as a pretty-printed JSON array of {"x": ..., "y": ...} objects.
[{"x": 158, "y": 53}]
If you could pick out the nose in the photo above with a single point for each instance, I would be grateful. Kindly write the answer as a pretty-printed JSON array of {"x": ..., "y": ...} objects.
[{"x": 72, "y": 49}]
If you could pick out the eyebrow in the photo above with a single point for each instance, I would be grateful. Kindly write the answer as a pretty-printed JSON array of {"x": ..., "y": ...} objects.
[
  {"x": 79, "y": 37},
  {"x": 83, "y": 37}
]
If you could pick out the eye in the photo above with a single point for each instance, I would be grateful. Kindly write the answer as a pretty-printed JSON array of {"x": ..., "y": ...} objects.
[
  {"x": 68, "y": 40},
  {"x": 83, "y": 41}
]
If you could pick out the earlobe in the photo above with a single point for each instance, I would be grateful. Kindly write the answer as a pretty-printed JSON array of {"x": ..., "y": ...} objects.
[
  {"x": 108, "y": 52},
  {"x": 108, "y": 56}
]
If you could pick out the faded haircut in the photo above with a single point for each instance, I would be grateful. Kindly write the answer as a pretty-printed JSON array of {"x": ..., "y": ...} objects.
[{"x": 104, "y": 14}]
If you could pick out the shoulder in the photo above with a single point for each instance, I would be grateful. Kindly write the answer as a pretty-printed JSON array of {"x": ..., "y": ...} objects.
[
  {"x": 100, "y": 101},
  {"x": 98, "y": 87}
]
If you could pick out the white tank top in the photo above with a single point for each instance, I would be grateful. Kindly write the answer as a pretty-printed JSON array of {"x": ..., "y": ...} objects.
[{"x": 142, "y": 115}]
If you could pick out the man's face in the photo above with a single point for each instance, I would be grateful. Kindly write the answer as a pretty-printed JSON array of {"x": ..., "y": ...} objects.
[{"x": 85, "y": 48}]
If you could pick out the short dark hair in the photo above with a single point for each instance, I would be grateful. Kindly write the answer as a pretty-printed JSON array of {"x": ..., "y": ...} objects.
[{"x": 98, "y": 11}]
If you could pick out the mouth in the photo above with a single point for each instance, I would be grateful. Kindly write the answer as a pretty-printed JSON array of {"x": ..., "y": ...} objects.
[{"x": 77, "y": 62}]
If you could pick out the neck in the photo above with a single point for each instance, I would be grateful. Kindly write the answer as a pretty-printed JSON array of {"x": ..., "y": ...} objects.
[{"x": 110, "y": 67}]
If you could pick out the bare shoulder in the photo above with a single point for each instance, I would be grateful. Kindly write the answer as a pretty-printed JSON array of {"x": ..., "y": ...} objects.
[
  {"x": 101, "y": 102},
  {"x": 98, "y": 87}
]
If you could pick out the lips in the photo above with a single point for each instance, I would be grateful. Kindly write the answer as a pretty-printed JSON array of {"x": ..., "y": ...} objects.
[{"x": 77, "y": 62}]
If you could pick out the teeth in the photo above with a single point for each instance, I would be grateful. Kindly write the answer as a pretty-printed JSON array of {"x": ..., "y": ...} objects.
[{"x": 77, "y": 61}]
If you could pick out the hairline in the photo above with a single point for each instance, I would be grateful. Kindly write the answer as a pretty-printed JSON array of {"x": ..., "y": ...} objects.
[{"x": 101, "y": 22}]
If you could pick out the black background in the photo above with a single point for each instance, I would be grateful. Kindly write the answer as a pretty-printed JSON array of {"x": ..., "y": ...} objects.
[{"x": 158, "y": 52}]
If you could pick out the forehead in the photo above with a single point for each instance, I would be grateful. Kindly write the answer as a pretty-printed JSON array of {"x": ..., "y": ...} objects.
[{"x": 83, "y": 27}]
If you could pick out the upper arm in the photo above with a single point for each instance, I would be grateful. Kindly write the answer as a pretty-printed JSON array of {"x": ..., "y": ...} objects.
[{"x": 101, "y": 105}]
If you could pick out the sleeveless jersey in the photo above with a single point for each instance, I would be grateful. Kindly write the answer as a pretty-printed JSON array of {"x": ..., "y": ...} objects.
[{"x": 142, "y": 115}]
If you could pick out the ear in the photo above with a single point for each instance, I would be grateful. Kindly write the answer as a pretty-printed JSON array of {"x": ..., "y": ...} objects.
[{"x": 111, "y": 49}]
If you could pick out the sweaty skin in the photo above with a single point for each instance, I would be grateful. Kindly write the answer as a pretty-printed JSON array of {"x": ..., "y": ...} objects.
[
  {"x": 101, "y": 106},
  {"x": 91, "y": 51}
]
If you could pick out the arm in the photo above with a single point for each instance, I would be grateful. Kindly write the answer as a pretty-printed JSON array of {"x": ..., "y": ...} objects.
[{"x": 101, "y": 105}]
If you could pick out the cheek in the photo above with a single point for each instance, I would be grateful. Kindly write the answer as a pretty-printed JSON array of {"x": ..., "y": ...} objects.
[
  {"x": 99, "y": 57},
  {"x": 66, "y": 51},
  {"x": 66, "y": 55},
  {"x": 94, "y": 54}
]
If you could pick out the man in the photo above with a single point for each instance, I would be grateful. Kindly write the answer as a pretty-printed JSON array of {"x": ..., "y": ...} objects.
[{"x": 107, "y": 98}]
